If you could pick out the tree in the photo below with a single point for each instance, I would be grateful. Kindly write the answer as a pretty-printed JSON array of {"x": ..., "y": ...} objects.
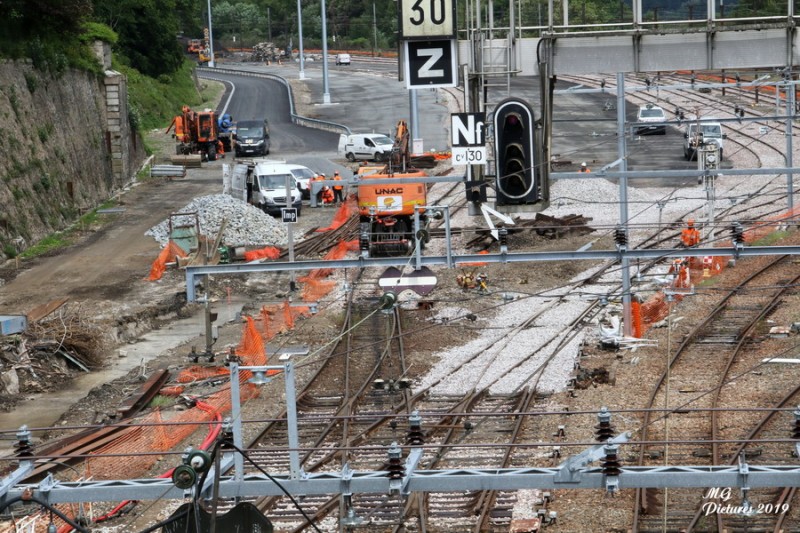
[
  {"x": 147, "y": 33},
  {"x": 29, "y": 18}
]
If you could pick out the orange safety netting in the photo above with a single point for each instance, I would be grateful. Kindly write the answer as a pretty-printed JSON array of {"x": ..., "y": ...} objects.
[
  {"x": 315, "y": 286},
  {"x": 268, "y": 252},
  {"x": 687, "y": 272},
  {"x": 168, "y": 254},
  {"x": 343, "y": 214},
  {"x": 315, "y": 289},
  {"x": 279, "y": 319},
  {"x": 161, "y": 432}
]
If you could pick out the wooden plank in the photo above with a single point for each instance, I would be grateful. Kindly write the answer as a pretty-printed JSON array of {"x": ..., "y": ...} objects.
[{"x": 41, "y": 311}]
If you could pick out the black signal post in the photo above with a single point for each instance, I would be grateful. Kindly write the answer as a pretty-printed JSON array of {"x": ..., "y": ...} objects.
[{"x": 514, "y": 131}]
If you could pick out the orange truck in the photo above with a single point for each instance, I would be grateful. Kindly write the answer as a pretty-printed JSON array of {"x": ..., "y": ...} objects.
[
  {"x": 195, "y": 46},
  {"x": 387, "y": 212},
  {"x": 196, "y": 133}
]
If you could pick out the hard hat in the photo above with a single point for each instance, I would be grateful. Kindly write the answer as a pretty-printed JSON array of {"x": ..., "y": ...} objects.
[
  {"x": 336, "y": 173},
  {"x": 322, "y": 174},
  {"x": 583, "y": 164}
]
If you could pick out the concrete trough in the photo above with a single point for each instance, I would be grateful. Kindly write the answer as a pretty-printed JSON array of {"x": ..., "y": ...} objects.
[
  {"x": 168, "y": 170},
  {"x": 11, "y": 324}
]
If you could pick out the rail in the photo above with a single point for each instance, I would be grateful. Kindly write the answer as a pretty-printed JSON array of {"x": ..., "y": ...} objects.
[{"x": 298, "y": 120}]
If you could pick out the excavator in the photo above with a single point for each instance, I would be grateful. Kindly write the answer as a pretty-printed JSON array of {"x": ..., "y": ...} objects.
[
  {"x": 197, "y": 133},
  {"x": 401, "y": 154}
]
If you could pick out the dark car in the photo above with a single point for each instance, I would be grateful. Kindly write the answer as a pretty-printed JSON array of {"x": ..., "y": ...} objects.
[{"x": 252, "y": 137}]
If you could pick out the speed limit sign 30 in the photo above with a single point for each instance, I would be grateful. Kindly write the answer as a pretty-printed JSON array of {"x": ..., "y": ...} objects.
[{"x": 423, "y": 19}]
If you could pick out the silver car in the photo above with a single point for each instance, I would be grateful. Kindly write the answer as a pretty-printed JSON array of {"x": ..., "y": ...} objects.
[{"x": 651, "y": 114}]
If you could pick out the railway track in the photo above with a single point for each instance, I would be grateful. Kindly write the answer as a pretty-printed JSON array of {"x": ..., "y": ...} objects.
[
  {"x": 697, "y": 373},
  {"x": 347, "y": 420}
]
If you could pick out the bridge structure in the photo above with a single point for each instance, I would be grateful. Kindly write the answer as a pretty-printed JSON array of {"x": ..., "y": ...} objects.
[{"x": 639, "y": 39}]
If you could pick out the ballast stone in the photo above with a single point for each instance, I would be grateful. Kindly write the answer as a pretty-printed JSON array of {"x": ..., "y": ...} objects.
[{"x": 246, "y": 225}]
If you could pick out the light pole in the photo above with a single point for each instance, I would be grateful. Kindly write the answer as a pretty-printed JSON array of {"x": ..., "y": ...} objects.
[
  {"x": 210, "y": 39},
  {"x": 300, "y": 38},
  {"x": 326, "y": 95},
  {"x": 374, "y": 30}
]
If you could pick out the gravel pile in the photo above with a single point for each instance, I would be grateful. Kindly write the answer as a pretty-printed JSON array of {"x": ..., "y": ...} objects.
[{"x": 246, "y": 225}]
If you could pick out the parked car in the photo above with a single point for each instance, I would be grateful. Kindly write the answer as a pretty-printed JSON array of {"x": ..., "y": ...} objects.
[
  {"x": 303, "y": 175},
  {"x": 651, "y": 114},
  {"x": 365, "y": 146},
  {"x": 269, "y": 187},
  {"x": 707, "y": 131},
  {"x": 342, "y": 59},
  {"x": 251, "y": 137}
]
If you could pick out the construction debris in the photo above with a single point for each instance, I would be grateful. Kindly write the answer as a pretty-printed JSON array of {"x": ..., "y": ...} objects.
[
  {"x": 544, "y": 225},
  {"x": 265, "y": 52}
]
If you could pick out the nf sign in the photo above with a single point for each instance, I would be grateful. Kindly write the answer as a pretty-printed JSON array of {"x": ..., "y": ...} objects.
[
  {"x": 430, "y": 64},
  {"x": 468, "y": 138}
]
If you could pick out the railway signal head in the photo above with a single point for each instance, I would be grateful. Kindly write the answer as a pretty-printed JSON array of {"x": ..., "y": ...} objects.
[{"x": 515, "y": 153}]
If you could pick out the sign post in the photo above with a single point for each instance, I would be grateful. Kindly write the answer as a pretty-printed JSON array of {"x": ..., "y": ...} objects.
[
  {"x": 430, "y": 63},
  {"x": 289, "y": 216},
  {"x": 468, "y": 138},
  {"x": 428, "y": 29},
  {"x": 423, "y": 19}
]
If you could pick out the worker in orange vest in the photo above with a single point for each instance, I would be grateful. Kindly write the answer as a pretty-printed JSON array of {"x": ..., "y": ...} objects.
[
  {"x": 690, "y": 236},
  {"x": 584, "y": 168},
  {"x": 319, "y": 177},
  {"x": 327, "y": 195},
  {"x": 338, "y": 190}
]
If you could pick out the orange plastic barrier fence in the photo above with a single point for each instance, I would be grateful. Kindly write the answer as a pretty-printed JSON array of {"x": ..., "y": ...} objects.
[
  {"x": 268, "y": 252},
  {"x": 315, "y": 289},
  {"x": 690, "y": 271},
  {"x": 343, "y": 214},
  {"x": 168, "y": 254},
  {"x": 162, "y": 432}
]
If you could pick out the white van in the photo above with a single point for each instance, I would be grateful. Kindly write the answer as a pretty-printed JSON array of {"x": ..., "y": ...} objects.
[
  {"x": 268, "y": 182},
  {"x": 365, "y": 146},
  {"x": 342, "y": 59},
  {"x": 705, "y": 131}
]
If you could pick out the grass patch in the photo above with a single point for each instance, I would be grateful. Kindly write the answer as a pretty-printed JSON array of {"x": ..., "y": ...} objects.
[
  {"x": 770, "y": 239},
  {"x": 63, "y": 239},
  {"x": 93, "y": 217},
  {"x": 49, "y": 244},
  {"x": 161, "y": 401}
]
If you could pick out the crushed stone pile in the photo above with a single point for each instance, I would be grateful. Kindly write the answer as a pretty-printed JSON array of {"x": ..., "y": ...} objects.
[{"x": 246, "y": 225}]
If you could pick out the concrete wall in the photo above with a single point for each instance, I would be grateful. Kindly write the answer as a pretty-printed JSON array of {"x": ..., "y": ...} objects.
[{"x": 65, "y": 147}]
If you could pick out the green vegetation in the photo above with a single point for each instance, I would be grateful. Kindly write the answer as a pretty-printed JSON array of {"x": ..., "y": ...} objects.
[
  {"x": 95, "y": 31},
  {"x": 10, "y": 251},
  {"x": 771, "y": 238},
  {"x": 154, "y": 103},
  {"x": 62, "y": 239},
  {"x": 49, "y": 244},
  {"x": 160, "y": 401}
]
